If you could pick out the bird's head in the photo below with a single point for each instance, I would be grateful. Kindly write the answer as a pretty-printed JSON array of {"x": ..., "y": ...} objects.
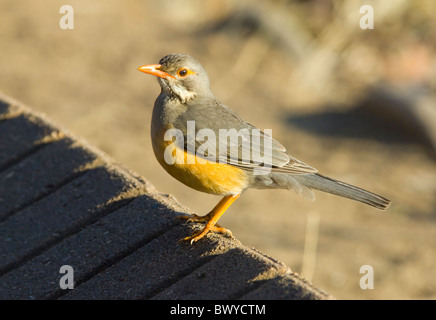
[{"x": 180, "y": 76}]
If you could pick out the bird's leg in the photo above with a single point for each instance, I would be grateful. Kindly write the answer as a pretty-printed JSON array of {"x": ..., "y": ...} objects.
[
  {"x": 211, "y": 218},
  {"x": 206, "y": 218}
]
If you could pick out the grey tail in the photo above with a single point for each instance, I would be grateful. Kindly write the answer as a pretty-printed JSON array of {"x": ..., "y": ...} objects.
[{"x": 339, "y": 188}]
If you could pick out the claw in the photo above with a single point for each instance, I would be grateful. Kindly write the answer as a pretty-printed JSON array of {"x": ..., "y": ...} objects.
[
  {"x": 211, "y": 218},
  {"x": 200, "y": 234}
]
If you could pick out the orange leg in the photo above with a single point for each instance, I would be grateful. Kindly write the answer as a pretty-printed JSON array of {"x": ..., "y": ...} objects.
[{"x": 211, "y": 218}]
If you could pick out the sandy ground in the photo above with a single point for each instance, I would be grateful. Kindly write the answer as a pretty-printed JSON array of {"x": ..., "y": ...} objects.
[{"x": 86, "y": 80}]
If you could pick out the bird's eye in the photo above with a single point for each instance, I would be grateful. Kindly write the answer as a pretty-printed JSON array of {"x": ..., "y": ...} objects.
[{"x": 182, "y": 72}]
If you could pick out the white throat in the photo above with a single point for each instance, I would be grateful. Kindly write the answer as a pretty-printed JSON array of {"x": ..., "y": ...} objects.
[{"x": 172, "y": 88}]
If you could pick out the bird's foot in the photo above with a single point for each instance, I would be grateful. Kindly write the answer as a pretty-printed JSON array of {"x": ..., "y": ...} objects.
[
  {"x": 209, "y": 227},
  {"x": 211, "y": 218}
]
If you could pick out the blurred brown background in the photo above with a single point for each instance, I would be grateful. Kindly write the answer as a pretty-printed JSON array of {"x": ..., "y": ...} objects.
[{"x": 359, "y": 105}]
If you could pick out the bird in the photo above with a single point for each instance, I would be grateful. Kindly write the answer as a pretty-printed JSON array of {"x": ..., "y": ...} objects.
[{"x": 186, "y": 108}]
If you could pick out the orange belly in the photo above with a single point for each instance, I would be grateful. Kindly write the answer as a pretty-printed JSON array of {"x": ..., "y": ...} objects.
[{"x": 214, "y": 178}]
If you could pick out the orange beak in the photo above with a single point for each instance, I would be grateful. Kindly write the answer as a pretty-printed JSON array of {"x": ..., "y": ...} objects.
[{"x": 154, "y": 69}]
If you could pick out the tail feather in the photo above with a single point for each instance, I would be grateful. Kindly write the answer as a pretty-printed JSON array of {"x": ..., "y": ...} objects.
[{"x": 339, "y": 188}]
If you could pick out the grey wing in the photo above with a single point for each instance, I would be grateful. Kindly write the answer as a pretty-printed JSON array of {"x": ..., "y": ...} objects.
[
  {"x": 259, "y": 149},
  {"x": 235, "y": 141}
]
